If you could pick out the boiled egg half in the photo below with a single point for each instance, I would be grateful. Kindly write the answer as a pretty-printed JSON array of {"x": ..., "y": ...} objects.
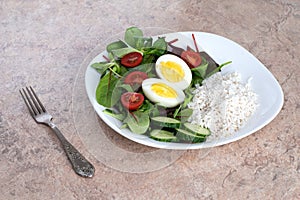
[
  {"x": 173, "y": 70},
  {"x": 162, "y": 92}
]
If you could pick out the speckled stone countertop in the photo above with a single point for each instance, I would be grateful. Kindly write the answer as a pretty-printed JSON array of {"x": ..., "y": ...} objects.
[{"x": 45, "y": 43}]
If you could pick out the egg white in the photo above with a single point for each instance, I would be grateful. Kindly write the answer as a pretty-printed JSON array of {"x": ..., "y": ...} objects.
[
  {"x": 187, "y": 79},
  {"x": 164, "y": 101}
]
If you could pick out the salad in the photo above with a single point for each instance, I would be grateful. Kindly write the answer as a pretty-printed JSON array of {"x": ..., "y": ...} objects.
[{"x": 147, "y": 83}]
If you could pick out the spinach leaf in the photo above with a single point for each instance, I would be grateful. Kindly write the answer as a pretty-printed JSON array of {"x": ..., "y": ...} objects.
[
  {"x": 105, "y": 90},
  {"x": 101, "y": 67},
  {"x": 160, "y": 43},
  {"x": 110, "y": 56},
  {"x": 137, "y": 121},
  {"x": 142, "y": 42},
  {"x": 150, "y": 108},
  {"x": 131, "y": 35},
  {"x": 155, "y": 111},
  {"x": 188, "y": 97},
  {"x": 146, "y": 106},
  {"x": 148, "y": 59},
  {"x": 218, "y": 69},
  {"x": 148, "y": 42},
  {"x": 126, "y": 87},
  {"x": 122, "y": 52},
  {"x": 112, "y": 113},
  {"x": 115, "y": 45},
  {"x": 159, "y": 47},
  {"x": 176, "y": 111},
  {"x": 201, "y": 69},
  {"x": 124, "y": 126},
  {"x": 196, "y": 80},
  {"x": 123, "y": 70},
  {"x": 147, "y": 68},
  {"x": 185, "y": 114}
]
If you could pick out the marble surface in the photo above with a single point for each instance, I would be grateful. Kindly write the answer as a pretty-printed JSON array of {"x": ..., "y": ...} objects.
[{"x": 44, "y": 43}]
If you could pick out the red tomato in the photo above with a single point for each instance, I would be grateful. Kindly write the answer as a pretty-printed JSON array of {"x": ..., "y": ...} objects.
[
  {"x": 132, "y": 59},
  {"x": 193, "y": 59},
  {"x": 135, "y": 77},
  {"x": 132, "y": 100}
]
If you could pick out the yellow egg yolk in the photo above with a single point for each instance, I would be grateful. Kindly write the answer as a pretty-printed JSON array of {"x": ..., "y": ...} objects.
[
  {"x": 163, "y": 90},
  {"x": 171, "y": 71}
]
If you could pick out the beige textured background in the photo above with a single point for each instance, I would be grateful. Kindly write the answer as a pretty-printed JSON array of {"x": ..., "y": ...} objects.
[{"x": 43, "y": 43}]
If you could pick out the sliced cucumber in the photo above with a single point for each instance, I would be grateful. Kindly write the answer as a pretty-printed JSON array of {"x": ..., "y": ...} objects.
[
  {"x": 165, "y": 122},
  {"x": 187, "y": 136},
  {"x": 196, "y": 129},
  {"x": 162, "y": 135}
]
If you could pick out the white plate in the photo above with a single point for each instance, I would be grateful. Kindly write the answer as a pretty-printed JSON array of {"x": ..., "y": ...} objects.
[{"x": 270, "y": 95}]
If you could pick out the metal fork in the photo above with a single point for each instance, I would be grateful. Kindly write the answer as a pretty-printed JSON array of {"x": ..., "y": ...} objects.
[{"x": 79, "y": 163}]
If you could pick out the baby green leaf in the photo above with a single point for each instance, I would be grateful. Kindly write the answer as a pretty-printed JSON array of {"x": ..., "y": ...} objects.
[
  {"x": 185, "y": 114},
  {"x": 105, "y": 89},
  {"x": 218, "y": 69},
  {"x": 201, "y": 69},
  {"x": 127, "y": 87},
  {"x": 142, "y": 42},
  {"x": 160, "y": 43},
  {"x": 122, "y": 52},
  {"x": 189, "y": 96},
  {"x": 101, "y": 67},
  {"x": 131, "y": 34},
  {"x": 112, "y": 113},
  {"x": 138, "y": 122},
  {"x": 159, "y": 47},
  {"x": 115, "y": 45}
]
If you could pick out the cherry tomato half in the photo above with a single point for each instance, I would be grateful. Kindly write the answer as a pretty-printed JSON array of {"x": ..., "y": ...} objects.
[
  {"x": 193, "y": 59},
  {"x": 132, "y": 100},
  {"x": 135, "y": 77},
  {"x": 132, "y": 59}
]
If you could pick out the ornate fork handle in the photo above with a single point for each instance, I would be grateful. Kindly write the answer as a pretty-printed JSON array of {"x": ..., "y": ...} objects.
[
  {"x": 37, "y": 110},
  {"x": 79, "y": 163}
]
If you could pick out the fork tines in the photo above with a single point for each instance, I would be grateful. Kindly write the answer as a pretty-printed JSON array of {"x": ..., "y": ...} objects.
[{"x": 32, "y": 102}]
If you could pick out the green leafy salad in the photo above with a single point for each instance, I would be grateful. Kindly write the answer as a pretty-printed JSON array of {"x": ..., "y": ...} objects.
[{"x": 147, "y": 83}]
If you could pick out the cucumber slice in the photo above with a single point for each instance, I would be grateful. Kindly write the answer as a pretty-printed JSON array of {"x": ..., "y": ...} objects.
[
  {"x": 162, "y": 135},
  {"x": 165, "y": 122},
  {"x": 187, "y": 136},
  {"x": 196, "y": 129}
]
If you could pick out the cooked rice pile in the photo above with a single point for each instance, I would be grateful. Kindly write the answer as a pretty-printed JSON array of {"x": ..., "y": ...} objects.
[{"x": 223, "y": 104}]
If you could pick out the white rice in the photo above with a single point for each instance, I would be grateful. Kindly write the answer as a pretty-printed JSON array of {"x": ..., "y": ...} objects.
[{"x": 223, "y": 104}]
